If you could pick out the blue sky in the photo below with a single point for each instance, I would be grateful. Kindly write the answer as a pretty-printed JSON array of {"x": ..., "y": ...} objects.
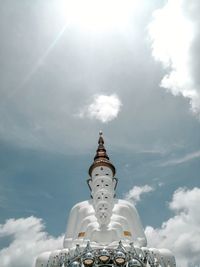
[{"x": 64, "y": 77}]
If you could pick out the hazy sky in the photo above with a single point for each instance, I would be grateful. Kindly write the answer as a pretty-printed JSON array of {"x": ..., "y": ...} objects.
[{"x": 71, "y": 68}]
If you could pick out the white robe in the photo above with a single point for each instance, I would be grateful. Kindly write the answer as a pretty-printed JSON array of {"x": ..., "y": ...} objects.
[{"x": 124, "y": 225}]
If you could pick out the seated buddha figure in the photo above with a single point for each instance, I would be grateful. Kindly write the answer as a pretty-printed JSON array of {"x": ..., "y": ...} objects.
[
  {"x": 103, "y": 220},
  {"x": 104, "y": 223}
]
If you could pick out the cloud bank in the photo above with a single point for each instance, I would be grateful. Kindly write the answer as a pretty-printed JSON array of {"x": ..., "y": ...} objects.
[
  {"x": 104, "y": 108},
  {"x": 28, "y": 240},
  {"x": 135, "y": 193},
  {"x": 181, "y": 232},
  {"x": 174, "y": 32}
]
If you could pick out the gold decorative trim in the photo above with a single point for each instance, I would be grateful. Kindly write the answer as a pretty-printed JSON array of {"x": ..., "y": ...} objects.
[
  {"x": 81, "y": 234},
  {"x": 127, "y": 233}
]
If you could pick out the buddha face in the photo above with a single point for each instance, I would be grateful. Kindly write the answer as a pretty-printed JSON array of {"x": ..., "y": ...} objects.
[{"x": 103, "y": 191}]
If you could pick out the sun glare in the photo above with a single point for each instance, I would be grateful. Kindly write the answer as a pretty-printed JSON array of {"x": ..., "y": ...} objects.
[{"x": 99, "y": 15}]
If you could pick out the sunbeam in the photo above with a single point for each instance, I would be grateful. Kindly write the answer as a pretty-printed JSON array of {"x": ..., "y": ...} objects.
[{"x": 37, "y": 65}]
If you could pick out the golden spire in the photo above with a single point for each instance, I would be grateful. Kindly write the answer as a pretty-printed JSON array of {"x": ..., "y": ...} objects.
[{"x": 101, "y": 158}]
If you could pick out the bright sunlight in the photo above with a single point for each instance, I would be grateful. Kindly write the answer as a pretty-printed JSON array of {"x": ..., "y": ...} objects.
[{"x": 99, "y": 15}]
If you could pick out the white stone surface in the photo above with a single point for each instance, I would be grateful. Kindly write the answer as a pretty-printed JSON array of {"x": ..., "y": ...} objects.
[
  {"x": 124, "y": 218},
  {"x": 103, "y": 219}
]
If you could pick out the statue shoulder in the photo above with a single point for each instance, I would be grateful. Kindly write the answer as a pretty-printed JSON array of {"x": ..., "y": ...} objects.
[
  {"x": 125, "y": 203},
  {"x": 81, "y": 204}
]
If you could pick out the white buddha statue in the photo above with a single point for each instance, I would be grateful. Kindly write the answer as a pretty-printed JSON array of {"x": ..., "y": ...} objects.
[{"x": 104, "y": 221}]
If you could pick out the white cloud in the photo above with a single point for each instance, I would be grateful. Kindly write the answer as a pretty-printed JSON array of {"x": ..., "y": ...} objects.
[
  {"x": 28, "y": 240},
  {"x": 172, "y": 32},
  {"x": 181, "y": 232},
  {"x": 186, "y": 158},
  {"x": 135, "y": 193},
  {"x": 104, "y": 108}
]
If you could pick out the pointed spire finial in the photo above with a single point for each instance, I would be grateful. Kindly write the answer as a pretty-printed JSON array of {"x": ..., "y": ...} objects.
[
  {"x": 101, "y": 157},
  {"x": 101, "y": 141},
  {"x": 101, "y": 151}
]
